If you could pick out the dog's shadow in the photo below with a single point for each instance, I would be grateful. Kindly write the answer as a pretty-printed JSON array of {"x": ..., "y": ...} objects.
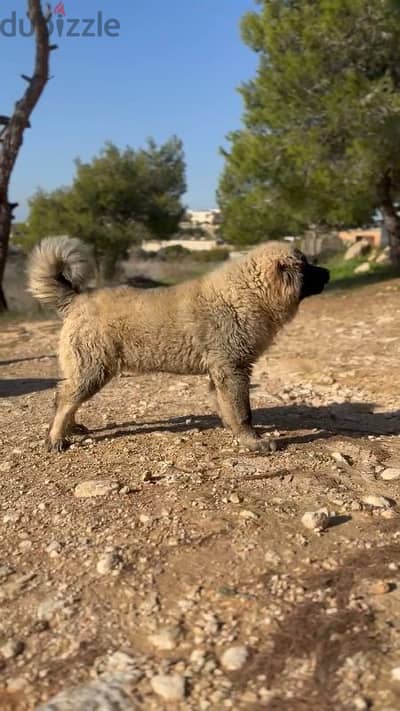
[
  {"x": 355, "y": 420},
  {"x": 15, "y": 387},
  {"x": 13, "y": 361}
]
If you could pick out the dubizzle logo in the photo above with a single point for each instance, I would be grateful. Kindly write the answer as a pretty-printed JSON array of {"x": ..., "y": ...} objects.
[
  {"x": 62, "y": 26},
  {"x": 59, "y": 9}
]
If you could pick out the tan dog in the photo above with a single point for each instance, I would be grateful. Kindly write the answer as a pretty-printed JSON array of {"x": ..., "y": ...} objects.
[{"x": 218, "y": 324}]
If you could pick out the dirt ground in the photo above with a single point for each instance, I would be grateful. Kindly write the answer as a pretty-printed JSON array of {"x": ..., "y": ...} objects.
[{"x": 190, "y": 581}]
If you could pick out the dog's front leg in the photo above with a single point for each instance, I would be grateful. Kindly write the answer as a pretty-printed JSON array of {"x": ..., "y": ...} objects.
[{"x": 232, "y": 389}]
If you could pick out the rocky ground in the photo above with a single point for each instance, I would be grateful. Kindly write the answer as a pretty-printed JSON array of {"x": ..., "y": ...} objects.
[{"x": 153, "y": 565}]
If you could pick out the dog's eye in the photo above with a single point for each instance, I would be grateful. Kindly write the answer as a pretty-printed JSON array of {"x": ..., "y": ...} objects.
[{"x": 283, "y": 267}]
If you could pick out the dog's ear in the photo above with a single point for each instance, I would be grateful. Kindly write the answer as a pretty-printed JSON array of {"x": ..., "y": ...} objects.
[
  {"x": 290, "y": 275},
  {"x": 285, "y": 270}
]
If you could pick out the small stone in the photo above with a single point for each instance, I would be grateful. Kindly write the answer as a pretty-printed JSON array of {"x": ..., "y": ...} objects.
[
  {"x": 360, "y": 704},
  {"x": 12, "y": 648},
  {"x": 109, "y": 562},
  {"x": 379, "y": 587},
  {"x": 390, "y": 474},
  {"x": 125, "y": 490},
  {"x": 272, "y": 558},
  {"x": 171, "y": 687},
  {"x": 5, "y": 572},
  {"x": 339, "y": 458},
  {"x": 388, "y": 513},
  {"x": 198, "y": 659},
  {"x": 54, "y": 549},
  {"x": 234, "y": 658},
  {"x": 265, "y": 694},
  {"x": 355, "y": 506},
  {"x": 234, "y": 498},
  {"x": 378, "y": 502},
  {"x": 122, "y": 663},
  {"x": 5, "y": 467},
  {"x": 316, "y": 520},
  {"x": 40, "y": 626},
  {"x": 145, "y": 519},
  {"x": 245, "y": 513},
  {"x": 16, "y": 684},
  {"x": 25, "y": 545},
  {"x": 249, "y": 697},
  {"x": 396, "y": 674},
  {"x": 49, "y": 607},
  {"x": 95, "y": 487},
  {"x": 165, "y": 638}
]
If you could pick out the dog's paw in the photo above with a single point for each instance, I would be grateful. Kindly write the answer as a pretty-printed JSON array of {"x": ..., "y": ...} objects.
[
  {"x": 259, "y": 446},
  {"x": 79, "y": 429},
  {"x": 60, "y": 445}
]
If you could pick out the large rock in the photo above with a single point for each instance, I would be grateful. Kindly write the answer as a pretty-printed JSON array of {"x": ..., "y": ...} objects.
[
  {"x": 363, "y": 268},
  {"x": 384, "y": 256},
  {"x": 358, "y": 249},
  {"x": 95, "y": 487}
]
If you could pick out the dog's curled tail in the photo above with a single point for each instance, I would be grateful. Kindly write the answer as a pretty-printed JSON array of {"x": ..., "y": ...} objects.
[{"x": 59, "y": 268}]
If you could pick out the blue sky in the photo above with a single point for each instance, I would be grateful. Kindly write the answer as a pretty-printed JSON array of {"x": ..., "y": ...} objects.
[{"x": 174, "y": 69}]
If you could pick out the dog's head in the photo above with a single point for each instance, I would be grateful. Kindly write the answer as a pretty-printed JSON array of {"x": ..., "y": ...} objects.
[
  {"x": 299, "y": 277},
  {"x": 283, "y": 276}
]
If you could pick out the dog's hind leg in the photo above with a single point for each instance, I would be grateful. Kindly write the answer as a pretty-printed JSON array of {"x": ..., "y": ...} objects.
[
  {"x": 212, "y": 392},
  {"x": 70, "y": 395},
  {"x": 72, "y": 426}
]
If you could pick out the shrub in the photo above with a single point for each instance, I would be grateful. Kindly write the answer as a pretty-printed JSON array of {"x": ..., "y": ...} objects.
[{"x": 173, "y": 252}]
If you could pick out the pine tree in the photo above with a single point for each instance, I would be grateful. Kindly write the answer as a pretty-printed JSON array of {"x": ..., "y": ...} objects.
[{"x": 321, "y": 136}]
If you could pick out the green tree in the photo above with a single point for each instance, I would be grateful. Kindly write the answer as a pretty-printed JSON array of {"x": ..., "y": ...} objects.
[
  {"x": 49, "y": 215},
  {"x": 119, "y": 198},
  {"x": 321, "y": 136}
]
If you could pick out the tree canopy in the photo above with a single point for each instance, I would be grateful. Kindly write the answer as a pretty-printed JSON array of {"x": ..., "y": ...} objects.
[
  {"x": 321, "y": 136},
  {"x": 119, "y": 198}
]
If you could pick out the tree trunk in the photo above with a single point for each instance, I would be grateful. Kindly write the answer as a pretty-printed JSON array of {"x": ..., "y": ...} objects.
[
  {"x": 12, "y": 128},
  {"x": 391, "y": 219},
  {"x": 5, "y": 226}
]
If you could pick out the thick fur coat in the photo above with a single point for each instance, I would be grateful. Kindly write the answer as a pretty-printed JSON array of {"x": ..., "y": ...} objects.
[{"x": 218, "y": 324}]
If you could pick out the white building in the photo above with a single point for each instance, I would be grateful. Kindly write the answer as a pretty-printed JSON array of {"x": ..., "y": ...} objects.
[{"x": 203, "y": 217}]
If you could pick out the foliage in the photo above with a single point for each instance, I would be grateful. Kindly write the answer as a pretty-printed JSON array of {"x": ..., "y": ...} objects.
[
  {"x": 342, "y": 273},
  {"x": 119, "y": 198},
  {"x": 218, "y": 254},
  {"x": 177, "y": 251},
  {"x": 173, "y": 252},
  {"x": 197, "y": 231},
  {"x": 321, "y": 136}
]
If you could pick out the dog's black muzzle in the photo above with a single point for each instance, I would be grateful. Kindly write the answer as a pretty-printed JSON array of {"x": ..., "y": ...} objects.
[{"x": 314, "y": 280}]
